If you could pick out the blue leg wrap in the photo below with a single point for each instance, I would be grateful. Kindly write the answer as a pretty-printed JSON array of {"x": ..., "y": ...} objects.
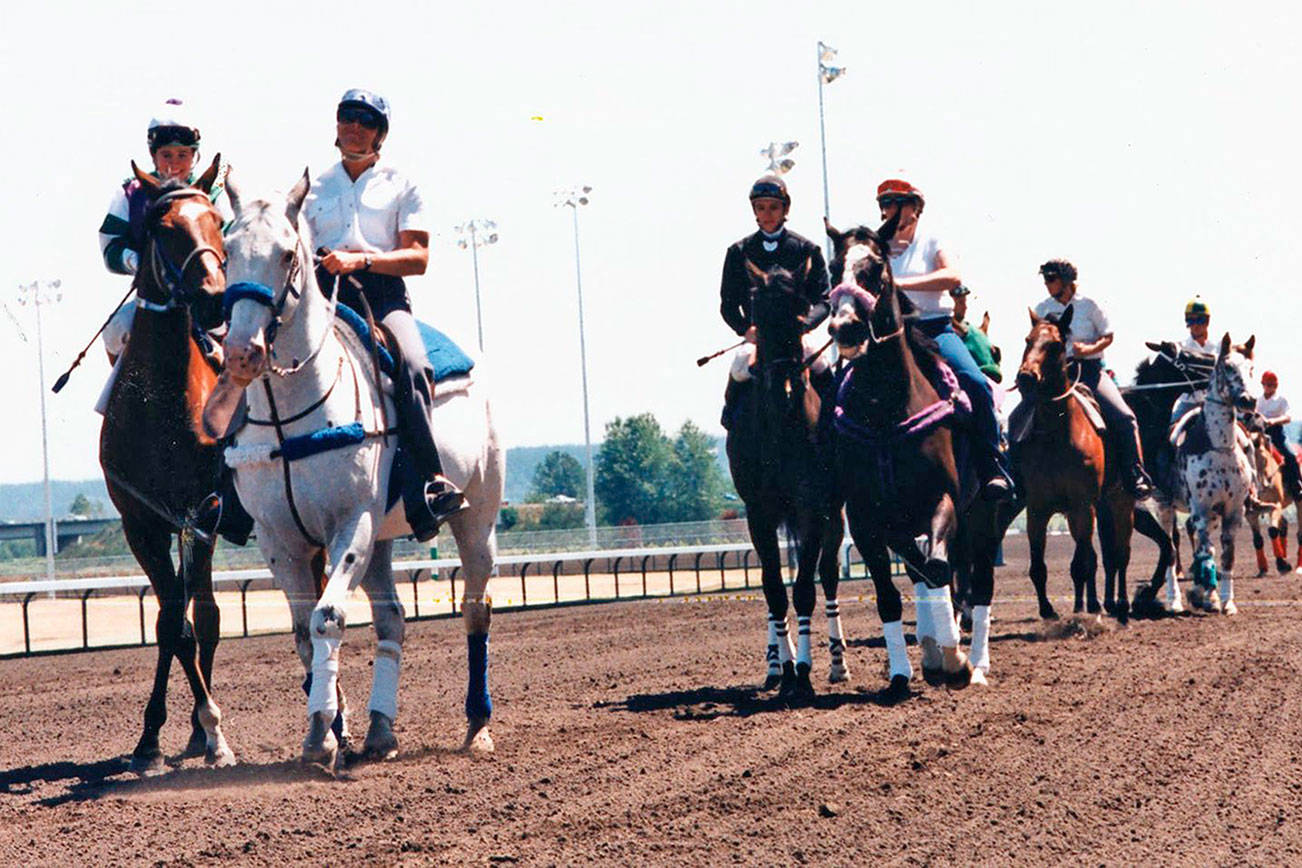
[
  {"x": 478, "y": 704},
  {"x": 1205, "y": 572},
  {"x": 338, "y": 726}
]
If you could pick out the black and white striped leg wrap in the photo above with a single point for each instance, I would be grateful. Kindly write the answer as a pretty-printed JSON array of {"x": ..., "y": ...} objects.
[
  {"x": 835, "y": 638},
  {"x": 803, "y": 654}
]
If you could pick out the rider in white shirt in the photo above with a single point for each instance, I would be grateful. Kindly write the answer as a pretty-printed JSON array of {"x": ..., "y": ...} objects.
[
  {"x": 1274, "y": 411},
  {"x": 372, "y": 221},
  {"x": 1197, "y": 318}
]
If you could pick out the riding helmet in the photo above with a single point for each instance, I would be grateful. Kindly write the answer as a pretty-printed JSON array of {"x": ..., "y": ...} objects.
[
  {"x": 770, "y": 187},
  {"x": 1196, "y": 309},
  {"x": 1269, "y": 379},
  {"x": 899, "y": 187},
  {"x": 358, "y": 98},
  {"x": 173, "y": 125},
  {"x": 1059, "y": 268}
]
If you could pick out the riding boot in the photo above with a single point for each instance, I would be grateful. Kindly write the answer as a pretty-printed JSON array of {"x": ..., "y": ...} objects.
[
  {"x": 730, "y": 394},
  {"x": 1292, "y": 476},
  {"x": 1135, "y": 478}
]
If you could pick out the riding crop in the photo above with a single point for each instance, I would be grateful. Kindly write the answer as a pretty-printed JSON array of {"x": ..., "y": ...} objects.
[
  {"x": 703, "y": 359},
  {"x": 63, "y": 379}
]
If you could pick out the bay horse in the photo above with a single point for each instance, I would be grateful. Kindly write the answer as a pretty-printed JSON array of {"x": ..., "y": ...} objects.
[
  {"x": 314, "y": 468},
  {"x": 1065, "y": 465},
  {"x": 902, "y": 471},
  {"x": 781, "y": 470},
  {"x": 158, "y": 463}
]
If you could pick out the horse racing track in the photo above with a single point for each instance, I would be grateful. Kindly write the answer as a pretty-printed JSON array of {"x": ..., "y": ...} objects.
[{"x": 633, "y": 732}]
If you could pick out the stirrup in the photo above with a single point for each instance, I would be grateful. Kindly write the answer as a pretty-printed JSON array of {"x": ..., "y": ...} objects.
[{"x": 205, "y": 517}]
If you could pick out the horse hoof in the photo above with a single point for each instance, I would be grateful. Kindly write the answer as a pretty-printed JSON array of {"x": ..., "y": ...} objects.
[
  {"x": 961, "y": 677},
  {"x": 1229, "y": 608},
  {"x": 839, "y": 673},
  {"x": 320, "y": 746},
  {"x": 381, "y": 744},
  {"x": 979, "y": 678},
  {"x": 932, "y": 658},
  {"x": 934, "y": 677},
  {"x": 772, "y": 681},
  {"x": 898, "y": 690},
  {"x": 197, "y": 745},
  {"x": 1283, "y": 567},
  {"x": 148, "y": 765},
  {"x": 1263, "y": 572},
  {"x": 1048, "y": 613},
  {"x": 478, "y": 739},
  {"x": 221, "y": 757}
]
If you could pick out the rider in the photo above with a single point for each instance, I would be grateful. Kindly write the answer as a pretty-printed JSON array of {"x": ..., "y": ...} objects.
[
  {"x": 1197, "y": 317},
  {"x": 976, "y": 341},
  {"x": 173, "y": 139},
  {"x": 1274, "y": 411},
  {"x": 1090, "y": 336},
  {"x": 926, "y": 274},
  {"x": 774, "y": 245},
  {"x": 371, "y": 219}
]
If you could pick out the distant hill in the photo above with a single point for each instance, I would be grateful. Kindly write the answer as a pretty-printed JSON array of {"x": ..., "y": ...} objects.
[{"x": 25, "y": 501}]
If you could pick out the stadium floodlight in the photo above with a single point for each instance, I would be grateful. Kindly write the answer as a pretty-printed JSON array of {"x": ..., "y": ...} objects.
[
  {"x": 826, "y": 75},
  {"x": 773, "y": 150},
  {"x": 39, "y": 294},
  {"x": 473, "y": 234}
]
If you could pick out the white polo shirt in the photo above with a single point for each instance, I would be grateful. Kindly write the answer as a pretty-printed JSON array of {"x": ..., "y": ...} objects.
[
  {"x": 917, "y": 259},
  {"x": 1088, "y": 321},
  {"x": 1272, "y": 408},
  {"x": 1208, "y": 347},
  {"x": 365, "y": 215}
]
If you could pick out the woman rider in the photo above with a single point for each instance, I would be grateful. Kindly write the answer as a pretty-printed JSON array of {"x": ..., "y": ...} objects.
[
  {"x": 926, "y": 274},
  {"x": 173, "y": 139},
  {"x": 371, "y": 219}
]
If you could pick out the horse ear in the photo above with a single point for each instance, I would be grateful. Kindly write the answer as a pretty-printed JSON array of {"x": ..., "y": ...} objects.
[
  {"x": 233, "y": 193},
  {"x": 297, "y": 195},
  {"x": 1248, "y": 345},
  {"x": 148, "y": 181},
  {"x": 209, "y": 177},
  {"x": 887, "y": 230},
  {"x": 832, "y": 232},
  {"x": 1064, "y": 321},
  {"x": 1035, "y": 320},
  {"x": 756, "y": 275},
  {"x": 1225, "y": 346},
  {"x": 1156, "y": 346},
  {"x": 985, "y": 323}
]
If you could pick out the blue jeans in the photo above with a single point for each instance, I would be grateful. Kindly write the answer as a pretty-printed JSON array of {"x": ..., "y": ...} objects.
[{"x": 987, "y": 458}]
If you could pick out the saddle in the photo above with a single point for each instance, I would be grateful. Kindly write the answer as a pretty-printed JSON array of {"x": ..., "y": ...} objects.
[
  {"x": 1019, "y": 421},
  {"x": 446, "y": 359}
]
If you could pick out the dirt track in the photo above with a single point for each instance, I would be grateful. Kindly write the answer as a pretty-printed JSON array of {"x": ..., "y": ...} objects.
[{"x": 631, "y": 733}]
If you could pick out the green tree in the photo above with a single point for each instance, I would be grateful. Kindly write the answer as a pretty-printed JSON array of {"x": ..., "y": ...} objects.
[
  {"x": 83, "y": 505},
  {"x": 558, "y": 473},
  {"x": 631, "y": 471},
  {"x": 694, "y": 484}
]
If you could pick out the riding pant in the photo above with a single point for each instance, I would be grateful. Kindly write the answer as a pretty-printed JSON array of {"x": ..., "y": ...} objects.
[{"x": 985, "y": 426}]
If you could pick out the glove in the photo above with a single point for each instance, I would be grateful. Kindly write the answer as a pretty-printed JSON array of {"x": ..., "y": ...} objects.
[{"x": 131, "y": 260}]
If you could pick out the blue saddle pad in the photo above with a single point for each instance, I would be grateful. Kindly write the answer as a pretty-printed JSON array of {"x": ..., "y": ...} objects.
[{"x": 445, "y": 357}]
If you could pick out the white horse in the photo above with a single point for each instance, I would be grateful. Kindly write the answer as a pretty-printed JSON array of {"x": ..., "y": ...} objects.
[
  {"x": 317, "y": 478},
  {"x": 1215, "y": 476}
]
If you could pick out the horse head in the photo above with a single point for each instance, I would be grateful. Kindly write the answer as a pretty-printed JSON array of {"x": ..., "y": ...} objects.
[
  {"x": 270, "y": 272},
  {"x": 777, "y": 310},
  {"x": 1231, "y": 380},
  {"x": 181, "y": 226},
  {"x": 1044, "y": 361},
  {"x": 855, "y": 321}
]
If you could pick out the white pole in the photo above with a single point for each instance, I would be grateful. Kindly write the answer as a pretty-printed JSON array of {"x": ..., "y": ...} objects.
[
  {"x": 590, "y": 510},
  {"x": 51, "y": 537},
  {"x": 822, "y": 146},
  {"x": 474, "y": 256}
]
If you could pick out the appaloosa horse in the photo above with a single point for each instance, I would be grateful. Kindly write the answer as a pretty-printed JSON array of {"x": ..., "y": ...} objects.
[
  {"x": 782, "y": 473},
  {"x": 1061, "y": 462},
  {"x": 903, "y": 473},
  {"x": 315, "y": 463},
  {"x": 158, "y": 464}
]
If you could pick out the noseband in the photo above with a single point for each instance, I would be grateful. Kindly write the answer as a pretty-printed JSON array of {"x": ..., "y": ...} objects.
[{"x": 167, "y": 275}]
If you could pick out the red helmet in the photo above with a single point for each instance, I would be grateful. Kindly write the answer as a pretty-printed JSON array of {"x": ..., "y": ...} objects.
[
  {"x": 898, "y": 187},
  {"x": 1269, "y": 379}
]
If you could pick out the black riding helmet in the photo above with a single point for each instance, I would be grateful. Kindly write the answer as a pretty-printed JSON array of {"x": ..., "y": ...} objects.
[
  {"x": 1059, "y": 268},
  {"x": 770, "y": 187}
]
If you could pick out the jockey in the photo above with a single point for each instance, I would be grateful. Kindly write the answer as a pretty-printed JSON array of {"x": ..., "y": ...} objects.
[
  {"x": 1090, "y": 336},
  {"x": 976, "y": 341},
  {"x": 1274, "y": 411},
  {"x": 925, "y": 273},
  {"x": 774, "y": 245},
  {"x": 173, "y": 139},
  {"x": 1197, "y": 317},
  {"x": 371, "y": 219}
]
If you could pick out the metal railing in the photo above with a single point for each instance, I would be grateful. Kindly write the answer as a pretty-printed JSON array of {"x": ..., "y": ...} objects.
[{"x": 677, "y": 570}]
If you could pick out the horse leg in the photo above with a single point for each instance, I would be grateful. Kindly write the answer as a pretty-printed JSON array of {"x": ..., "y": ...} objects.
[
  {"x": 206, "y": 738},
  {"x": 956, "y": 667},
  {"x": 1145, "y": 602},
  {"x": 300, "y": 581},
  {"x": 829, "y": 576},
  {"x": 1084, "y": 563},
  {"x": 1120, "y": 509},
  {"x": 477, "y": 547},
  {"x": 1259, "y": 544},
  {"x": 1203, "y": 593},
  {"x": 1229, "y": 528},
  {"x": 1107, "y": 554},
  {"x": 390, "y": 630},
  {"x": 803, "y": 598},
  {"x": 890, "y": 607},
  {"x": 1037, "y": 527},
  {"x": 985, "y": 537},
  {"x": 1174, "y": 602},
  {"x": 1279, "y": 541},
  {"x": 152, "y": 547},
  {"x": 764, "y": 537}
]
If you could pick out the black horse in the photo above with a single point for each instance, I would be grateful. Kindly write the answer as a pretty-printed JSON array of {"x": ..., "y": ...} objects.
[{"x": 782, "y": 472}]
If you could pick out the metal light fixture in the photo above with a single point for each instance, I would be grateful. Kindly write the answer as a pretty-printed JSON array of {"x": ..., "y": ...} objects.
[
  {"x": 826, "y": 75},
  {"x": 573, "y": 197},
  {"x": 473, "y": 234},
  {"x": 775, "y": 150},
  {"x": 38, "y": 294}
]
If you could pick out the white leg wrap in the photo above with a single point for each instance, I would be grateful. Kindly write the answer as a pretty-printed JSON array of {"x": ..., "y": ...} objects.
[
  {"x": 384, "y": 679},
  {"x": 922, "y": 613},
  {"x": 771, "y": 655},
  {"x": 1226, "y": 588},
  {"x": 835, "y": 638},
  {"x": 1173, "y": 601},
  {"x": 803, "y": 653},
  {"x": 325, "y": 675},
  {"x": 897, "y": 653},
  {"x": 981, "y": 638},
  {"x": 940, "y": 615},
  {"x": 786, "y": 651}
]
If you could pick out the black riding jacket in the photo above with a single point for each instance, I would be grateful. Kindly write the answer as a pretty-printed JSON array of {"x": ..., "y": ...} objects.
[{"x": 792, "y": 252}]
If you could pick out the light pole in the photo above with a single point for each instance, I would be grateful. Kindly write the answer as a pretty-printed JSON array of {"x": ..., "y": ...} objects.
[
  {"x": 573, "y": 198},
  {"x": 826, "y": 75},
  {"x": 474, "y": 234},
  {"x": 38, "y": 293}
]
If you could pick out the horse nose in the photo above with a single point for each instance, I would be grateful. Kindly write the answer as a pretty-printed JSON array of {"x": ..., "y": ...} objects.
[
  {"x": 247, "y": 360},
  {"x": 1026, "y": 382}
]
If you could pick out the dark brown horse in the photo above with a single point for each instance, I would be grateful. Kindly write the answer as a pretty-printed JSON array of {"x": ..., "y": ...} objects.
[
  {"x": 1063, "y": 467},
  {"x": 158, "y": 464}
]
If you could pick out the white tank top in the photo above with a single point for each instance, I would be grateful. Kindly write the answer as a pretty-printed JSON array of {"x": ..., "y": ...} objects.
[{"x": 917, "y": 259}]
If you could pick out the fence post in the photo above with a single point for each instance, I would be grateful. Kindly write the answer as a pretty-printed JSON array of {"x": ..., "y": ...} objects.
[
  {"x": 645, "y": 558},
  {"x": 673, "y": 557},
  {"x": 615, "y": 570},
  {"x": 697, "y": 567},
  {"x": 453, "y": 579},
  {"x": 524, "y": 595},
  {"x": 27, "y": 635},
  {"x": 745, "y": 567},
  {"x": 85, "y": 633},
  {"x": 141, "y": 600},
  {"x": 723, "y": 579},
  {"x": 244, "y": 604},
  {"x": 556, "y": 582},
  {"x": 415, "y": 595},
  {"x": 587, "y": 588}
]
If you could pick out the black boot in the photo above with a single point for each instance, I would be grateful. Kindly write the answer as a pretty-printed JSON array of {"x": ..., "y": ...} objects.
[{"x": 441, "y": 501}]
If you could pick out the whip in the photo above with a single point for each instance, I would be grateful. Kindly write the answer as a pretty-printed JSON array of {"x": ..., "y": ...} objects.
[{"x": 63, "y": 379}]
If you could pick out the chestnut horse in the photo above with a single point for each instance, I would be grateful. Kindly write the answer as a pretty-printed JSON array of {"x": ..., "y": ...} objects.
[
  {"x": 1062, "y": 466},
  {"x": 158, "y": 464}
]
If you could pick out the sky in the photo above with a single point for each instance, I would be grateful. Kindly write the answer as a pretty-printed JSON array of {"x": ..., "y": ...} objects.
[{"x": 1154, "y": 145}]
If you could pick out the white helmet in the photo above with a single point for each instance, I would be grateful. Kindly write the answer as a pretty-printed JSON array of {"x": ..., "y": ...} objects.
[{"x": 172, "y": 125}]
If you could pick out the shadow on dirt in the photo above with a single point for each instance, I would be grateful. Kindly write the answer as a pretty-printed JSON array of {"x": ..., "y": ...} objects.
[{"x": 709, "y": 703}]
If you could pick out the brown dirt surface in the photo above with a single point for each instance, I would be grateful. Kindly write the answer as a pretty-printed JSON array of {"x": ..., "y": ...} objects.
[{"x": 633, "y": 733}]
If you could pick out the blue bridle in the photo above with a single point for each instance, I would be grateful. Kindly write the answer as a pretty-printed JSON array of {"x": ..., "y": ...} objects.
[{"x": 251, "y": 290}]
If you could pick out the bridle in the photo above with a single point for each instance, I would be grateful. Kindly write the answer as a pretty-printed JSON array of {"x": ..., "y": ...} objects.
[{"x": 166, "y": 274}]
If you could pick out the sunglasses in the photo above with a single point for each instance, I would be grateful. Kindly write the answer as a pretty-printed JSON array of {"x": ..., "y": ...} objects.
[
  {"x": 363, "y": 117},
  {"x": 1197, "y": 320},
  {"x": 163, "y": 136},
  {"x": 891, "y": 201}
]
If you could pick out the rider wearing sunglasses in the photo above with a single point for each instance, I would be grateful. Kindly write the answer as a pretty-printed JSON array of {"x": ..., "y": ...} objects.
[
  {"x": 371, "y": 219},
  {"x": 925, "y": 273},
  {"x": 1090, "y": 335},
  {"x": 1197, "y": 318},
  {"x": 173, "y": 139}
]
